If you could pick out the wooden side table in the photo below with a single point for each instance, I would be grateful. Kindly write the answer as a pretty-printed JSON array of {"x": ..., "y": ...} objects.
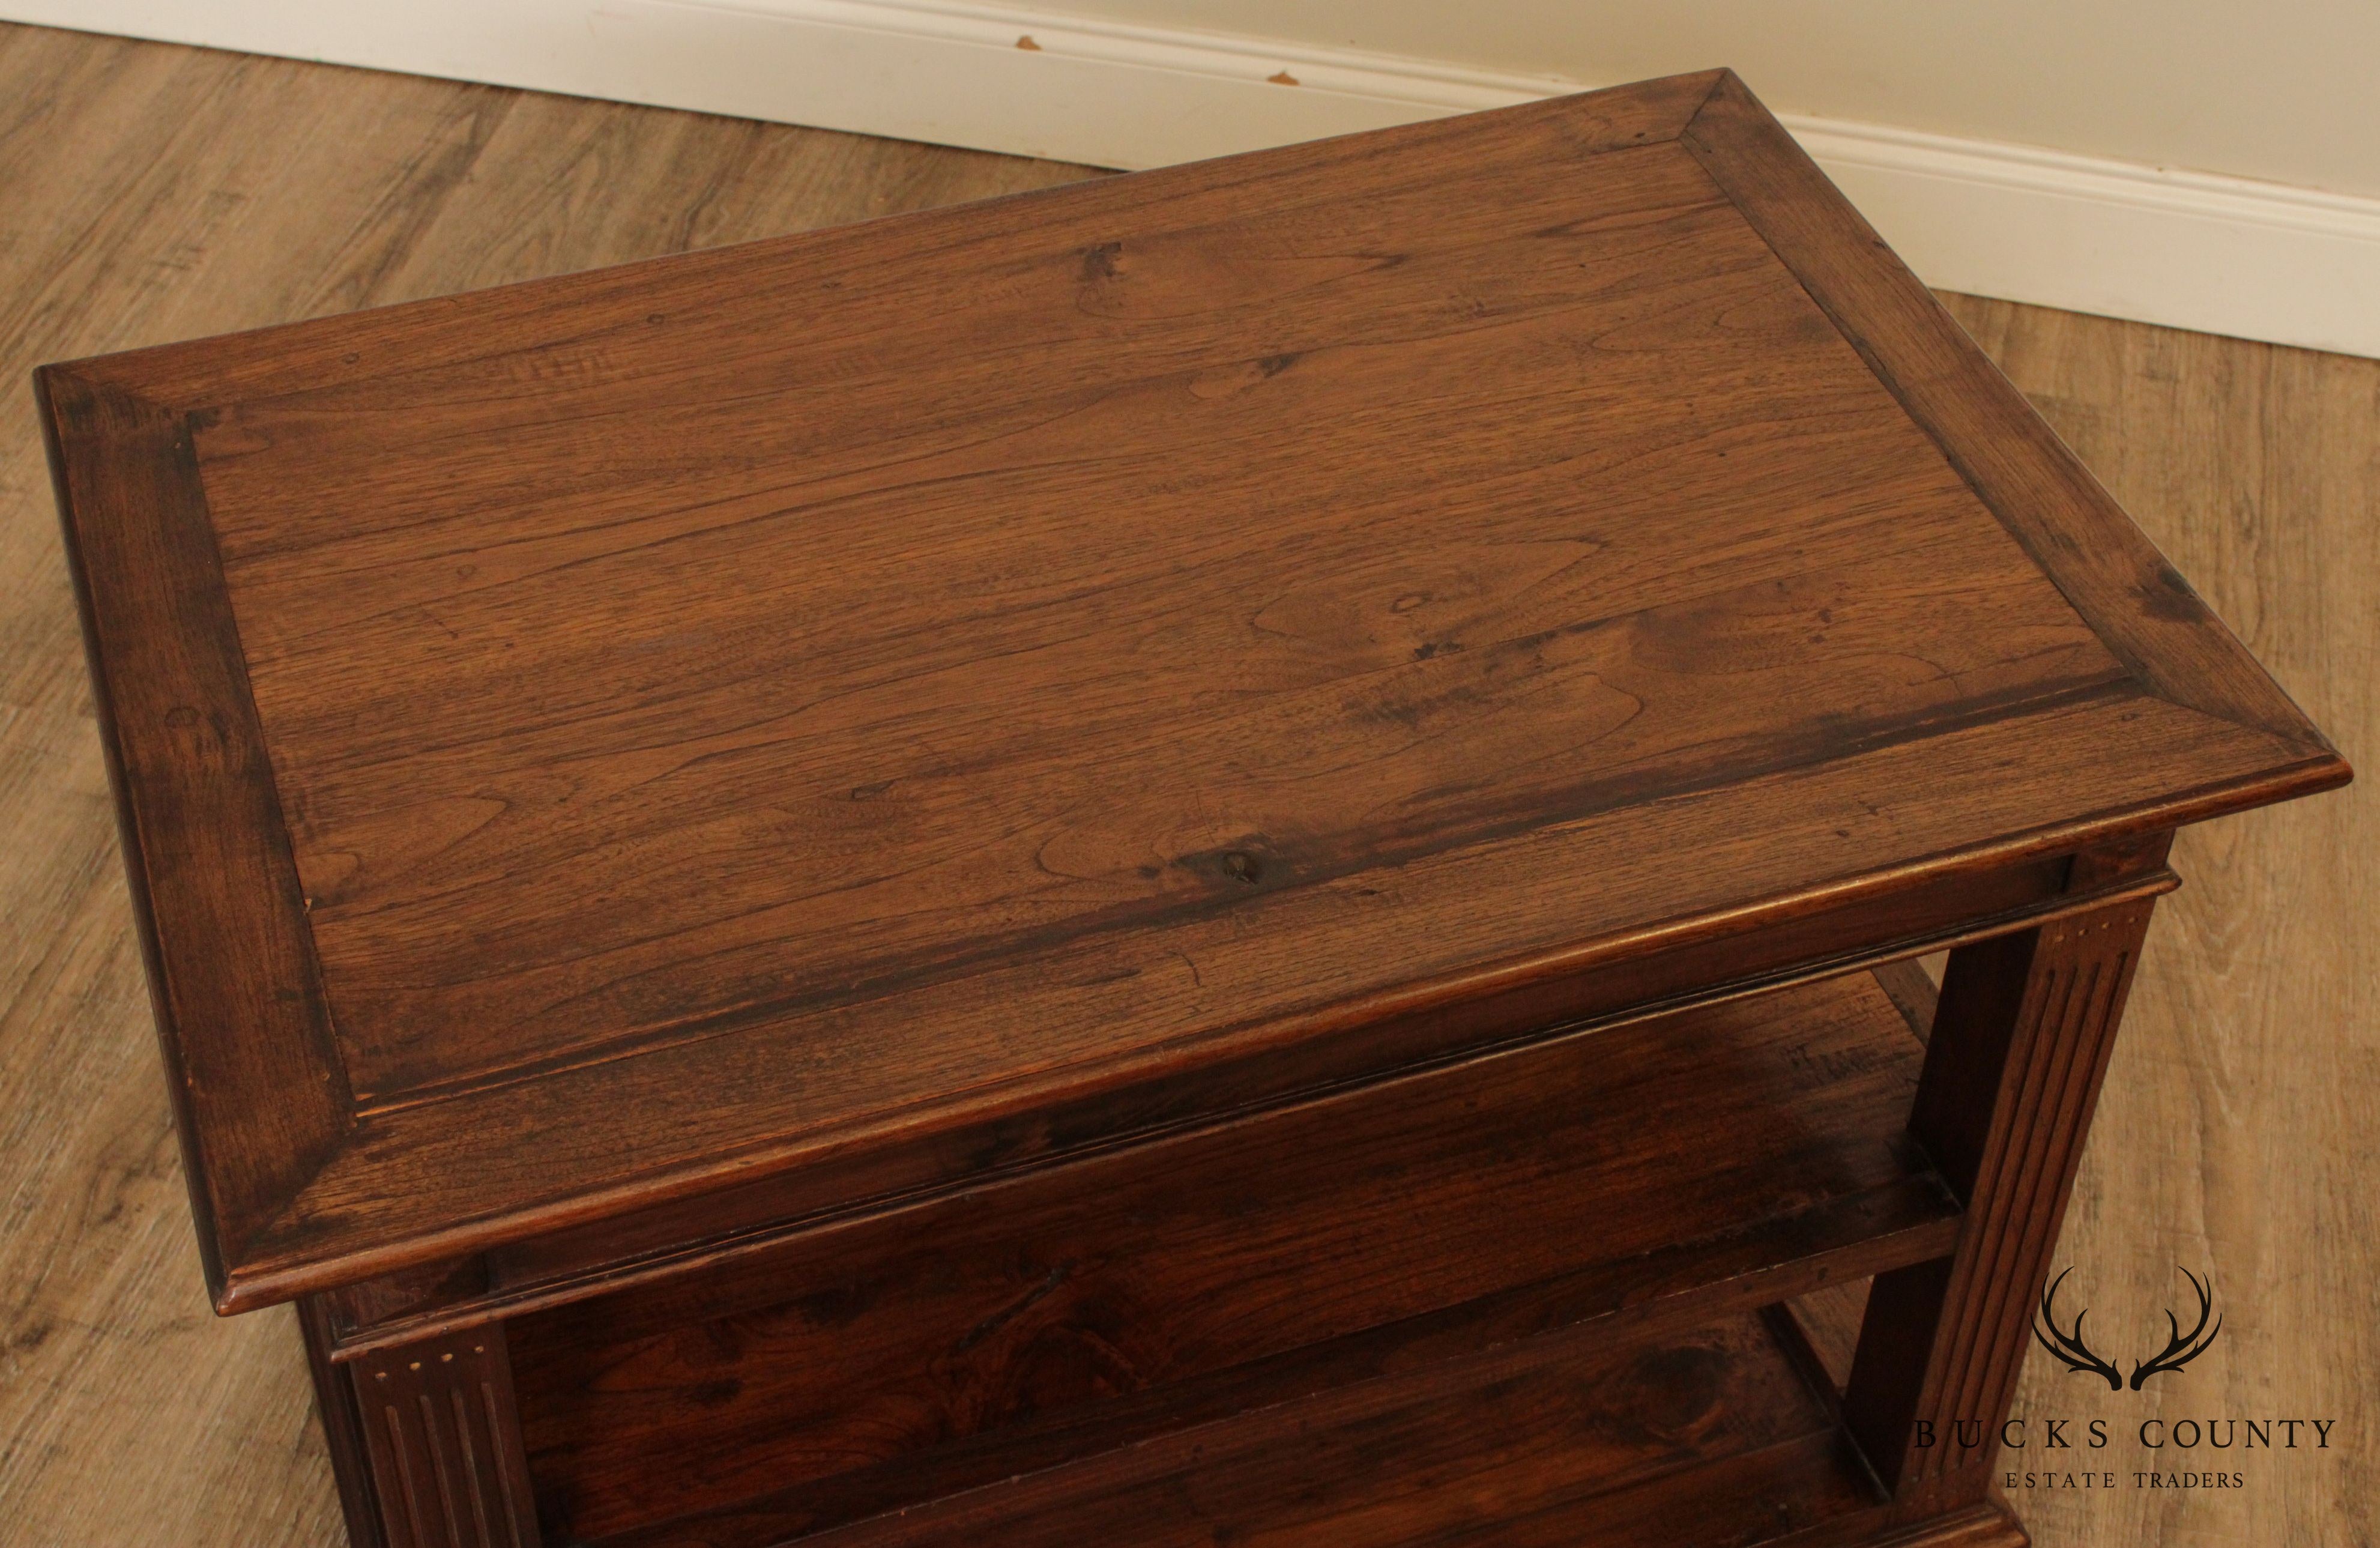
[{"x": 1223, "y": 857}]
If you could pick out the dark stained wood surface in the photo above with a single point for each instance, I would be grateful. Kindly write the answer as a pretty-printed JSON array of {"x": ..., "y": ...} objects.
[
  {"x": 745, "y": 709},
  {"x": 444, "y": 1439},
  {"x": 2018, "y": 1046},
  {"x": 1709, "y": 1435},
  {"x": 1710, "y": 1160},
  {"x": 164, "y": 192},
  {"x": 661, "y": 1240},
  {"x": 339, "y": 1411}
]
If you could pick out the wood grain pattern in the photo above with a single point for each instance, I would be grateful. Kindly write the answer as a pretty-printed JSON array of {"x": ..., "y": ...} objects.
[
  {"x": 413, "y": 1176},
  {"x": 158, "y": 192},
  {"x": 258, "y": 1112},
  {"x": 165, "y": 193},
  {"x": 798, "y": 671},
  {"x": 2140, "y": 606},
  {"x": 614, "y": 1252}
]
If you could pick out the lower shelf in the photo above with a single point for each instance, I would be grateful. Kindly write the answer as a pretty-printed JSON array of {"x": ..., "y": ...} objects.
[
  {"x": 1704, "y": 1436},
  {"x": 1719, "y": 1435}
]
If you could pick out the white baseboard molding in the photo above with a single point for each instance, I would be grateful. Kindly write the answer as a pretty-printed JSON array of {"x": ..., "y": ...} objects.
[{"x": 2218, "y": 254}]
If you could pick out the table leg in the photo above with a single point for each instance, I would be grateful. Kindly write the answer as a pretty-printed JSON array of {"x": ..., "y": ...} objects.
[
  {"x": 343, "y": 1429},
  {"x": 2020, "y": 1043},
  {"x": 438, "y": 1426}
]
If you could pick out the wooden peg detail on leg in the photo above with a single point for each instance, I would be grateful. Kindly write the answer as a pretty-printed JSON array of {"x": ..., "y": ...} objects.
[{"x": 444, "y": 1439}]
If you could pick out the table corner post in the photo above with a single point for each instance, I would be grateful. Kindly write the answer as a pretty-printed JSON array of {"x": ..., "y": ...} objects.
[
  {"x": 431, "y": 1454},
  {"x": 2020, "y": 1045},
  {"x": 341, "y": 1417}
]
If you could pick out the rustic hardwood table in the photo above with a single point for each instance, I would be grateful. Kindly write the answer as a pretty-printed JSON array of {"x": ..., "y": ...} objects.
[{"x": 1209, "y": 858}]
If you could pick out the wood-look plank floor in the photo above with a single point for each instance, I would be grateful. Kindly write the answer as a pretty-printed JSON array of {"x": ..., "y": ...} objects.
[{"x": 150, "y": 192}]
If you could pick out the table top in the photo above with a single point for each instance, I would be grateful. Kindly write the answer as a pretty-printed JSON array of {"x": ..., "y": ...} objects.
[{"x": 602, "y": 739}]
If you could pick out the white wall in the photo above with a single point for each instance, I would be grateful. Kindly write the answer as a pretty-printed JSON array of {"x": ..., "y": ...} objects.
[
  {"x": 2284, "y": 89},
  {"x": 2111, "y": 156}
]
